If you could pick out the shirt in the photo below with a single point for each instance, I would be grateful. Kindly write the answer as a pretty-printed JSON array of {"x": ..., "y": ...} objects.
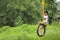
[{"x": 46, "y": 19}]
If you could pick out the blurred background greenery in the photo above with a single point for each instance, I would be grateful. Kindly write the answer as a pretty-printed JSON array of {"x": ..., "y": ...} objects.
[
  {"x": 16, "y": 12},
  {"x": 19, "y": 19}
]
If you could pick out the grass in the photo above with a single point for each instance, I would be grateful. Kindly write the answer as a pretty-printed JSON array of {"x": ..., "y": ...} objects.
[{"x": 28, "y": 32}]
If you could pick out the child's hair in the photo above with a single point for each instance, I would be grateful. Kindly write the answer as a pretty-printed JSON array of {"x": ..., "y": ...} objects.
[{"x": 46, "y": 12}]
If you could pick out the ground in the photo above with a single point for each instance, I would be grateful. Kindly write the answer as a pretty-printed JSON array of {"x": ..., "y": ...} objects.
[{"x": 28, "y": 32}]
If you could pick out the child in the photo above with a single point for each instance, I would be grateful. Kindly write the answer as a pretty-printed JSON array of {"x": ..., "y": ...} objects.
[
  {"x": 44, "y": 23},
  {"x": 45, "y": 20}
]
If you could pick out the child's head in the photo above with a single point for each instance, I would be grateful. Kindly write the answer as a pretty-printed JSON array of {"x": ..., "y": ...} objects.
[{"x": 46, "y": 13}]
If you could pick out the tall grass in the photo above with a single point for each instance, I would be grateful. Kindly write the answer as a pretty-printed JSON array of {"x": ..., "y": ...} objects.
[{"x": 28, "y": 32}]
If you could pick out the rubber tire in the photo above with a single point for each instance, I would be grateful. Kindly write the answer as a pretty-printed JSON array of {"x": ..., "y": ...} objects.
[{"x": 38, "y": 30}]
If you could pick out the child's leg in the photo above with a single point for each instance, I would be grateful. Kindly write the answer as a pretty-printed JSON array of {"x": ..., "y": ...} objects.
[{"x": 44, "y": 28}]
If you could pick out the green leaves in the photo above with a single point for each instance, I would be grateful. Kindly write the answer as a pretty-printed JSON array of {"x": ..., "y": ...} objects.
[{"x": 23, "y": 11}]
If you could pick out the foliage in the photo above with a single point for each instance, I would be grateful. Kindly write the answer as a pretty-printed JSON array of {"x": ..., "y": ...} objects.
[
  {"x": 28, "y": 32},
  {"x": 15, "y": 12}
]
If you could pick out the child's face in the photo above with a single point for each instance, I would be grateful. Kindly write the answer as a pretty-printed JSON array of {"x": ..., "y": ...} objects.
[{"x": 45, "y": 14}]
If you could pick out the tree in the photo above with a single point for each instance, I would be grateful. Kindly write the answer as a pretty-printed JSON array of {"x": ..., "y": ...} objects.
[{"x": 16, "y": 12}]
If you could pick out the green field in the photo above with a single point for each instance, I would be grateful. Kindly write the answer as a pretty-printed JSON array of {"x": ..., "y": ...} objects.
[{"x": 28, "y": 32}]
